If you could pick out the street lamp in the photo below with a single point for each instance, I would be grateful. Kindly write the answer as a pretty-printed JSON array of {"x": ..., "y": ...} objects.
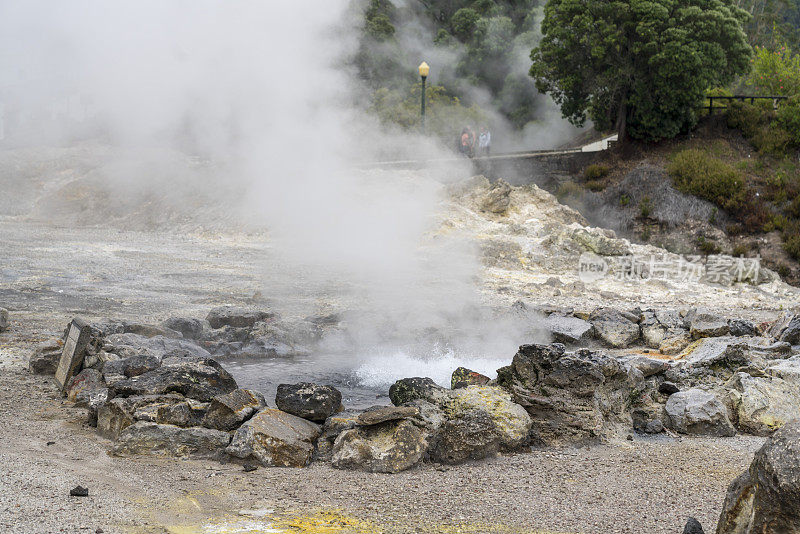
[{"x": 424, "y": 69}]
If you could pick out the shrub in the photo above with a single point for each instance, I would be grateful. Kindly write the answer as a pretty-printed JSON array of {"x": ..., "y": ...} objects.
[
  {"x": 788, "y": 117},
  {"x": 595, "y": 185},
  {"x": 783, "y": 270},
  {"x": 568, "y": 189},
  {"x": 696, "y": 173},
  {"x": 776, "y": 222},
  {"x": 772, "y": 139},
  {"x": 794, "y": 208},
  {"x": 749, "y": 118},
  {"x": 645, "y": 207},
  {"x": 595, "y": 172},
  {"x": 624, "y": 200},
  {"x": 791, "y": 245},
  {"x": 707, "y": 246},
  {"x": 739, "y": 251}
]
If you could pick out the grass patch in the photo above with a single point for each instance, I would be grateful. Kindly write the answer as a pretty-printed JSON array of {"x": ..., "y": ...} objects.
[
  {"x": 697, "y": 173},
  {"x": 595, "y": 172}
]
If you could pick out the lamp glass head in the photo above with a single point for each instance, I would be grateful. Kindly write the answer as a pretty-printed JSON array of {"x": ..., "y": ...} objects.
[{"x": 424, "y": 69}]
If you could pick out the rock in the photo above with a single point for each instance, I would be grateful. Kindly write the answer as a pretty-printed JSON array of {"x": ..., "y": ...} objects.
[
  {"x": 674, "y": 342},
  {"x": 699, "y": 413},
  {"x": 3, "y": 319},
  {"x": 463, "y": 377},
  {"x": 791, "y": 333},
  {"x": 762, "y": 405},
  {"x": 654, "y": 427},
  {"x": 87, "y": 389},
  {"x": 189, "y": 328},
  {"x": 236, "y": 317},
  {"x": 693, "y": 526},
  {"x": 381, "y": 414},
  {"x": 668, "y": 388},
  {"x": 117, "y": 371},
  {"x": 660, "y": 325},
  {"x": 512, "y": 423},
  {"x": 498, "y": 198},
  {"x": 44, "y": 359},
  {"x": 127, "y": 345},
  {"x": 79, "y": 491},
  {"x": 388, "y": 447},
  {"x": 409, "y": 389},
  {"x": 119, "y": 413},
  {"x": 196, "y": 378},
  {"x": 741, "y": 327},
  {"x": 707, "y": 324},
  {"x": 614, "y": 328},
  {"x": 309, "y": 401},
  {"x": 471, "y": 437},
  {"x": 765, "y": 499},
  {"x": 721, "y": 353},
  {"x": 152, "y": 439},
  {"x": 228, "y": 411},
  {"x": 334, "y": 425},
  {"x": 571, "y": 397},
  {"x": 275, "y": 438},
  {"x": 149, "y": 330},
  {"x": 570, "y": 330},
  {"x": 788, "y": 370},
  {"x": 185, "y": 413},
  {"x": 648, "y": 366},
  {"x": 430, "y": 417}
]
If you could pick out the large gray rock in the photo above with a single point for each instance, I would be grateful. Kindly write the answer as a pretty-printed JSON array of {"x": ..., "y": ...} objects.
[
  {"x": 569, "y": 329},
  {"x": 698, "y": 412},
  {"x": 45, "y": 357},
  {"x": 3, "y": 319},
  {"x": 463, "y": 377},
  {"x": 470, "y": 437},
  {"x": 761, "y": 405},
  {"x": 236, "y": 317},
  {"x": 788, "y": 370},
  {"x": 410, "y": 389},
  {"x": 275, "y": 438},
  {"x": 201, "y": 379},
  {"x": 741, "y": 327},
  {"x": 765, "y": 499},
  {"x": 388, "y": 447},
  {"x": 791, "y": 333},
  {"x": 128, "y": 344},
  {"x": 228, "y": 411},
  {"x": 571, "y": 397},
  {"x": 87, "y": 389},
  {"x": 615, "y": 328},
  {"x": 382, "y": 414},
  {"x": 152, "y": 439},
  {"x": 707, "y": 324},
  {"x": 647, "y": 366},
  {"x": 188, "y": 328},
  {"x": 117, "y": 414},
  {"x": 310, "y": 401},
  {"x": 665, "y": 330},
  {"x": 512, "y": 423},
  {"x": 722, "y": 353},
  {"x": 334, "y": 425},
  {"x": 119, "y": 370}
]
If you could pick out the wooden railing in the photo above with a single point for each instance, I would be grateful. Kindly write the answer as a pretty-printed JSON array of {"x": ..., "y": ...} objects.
[{"x": 742, "y": 98}]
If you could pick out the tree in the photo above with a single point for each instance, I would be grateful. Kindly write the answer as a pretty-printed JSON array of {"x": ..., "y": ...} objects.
[
  {"x": 775, "y": 71},
  {"x": 642, "y": 66}
]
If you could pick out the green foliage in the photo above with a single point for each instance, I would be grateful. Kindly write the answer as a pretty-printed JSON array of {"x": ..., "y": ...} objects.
[
  {"x": 707, "y": 246},
  {"x": 644, "y": 64},
  {"x": 792, "y": 246},
  {"x": 624, "y": 199},
  {"x": 595, "y": 171},
  {"x": 788, "y": 117},
  {"x": 487, "y": 38},
  {"x": 695, "y": 172},
  {"x": 776, "y": 71},
  {"x": 595, "y": 185},
  {"x": 645, "y": 207},
  {"x": 772, "y": 21},
  {"x": 568, "y": 189},
  {"x": 444, "y": 113},
  {"x": 759, "y": 125},
  {"x": 739, "y": 251}
]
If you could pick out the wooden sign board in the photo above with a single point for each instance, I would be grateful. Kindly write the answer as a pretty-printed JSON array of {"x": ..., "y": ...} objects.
[{"x": 74, "y": 351}]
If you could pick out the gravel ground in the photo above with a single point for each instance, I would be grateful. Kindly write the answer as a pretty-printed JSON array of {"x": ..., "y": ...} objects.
[
  {"x": 644, "y": 486},
  {"x": 50, "y": 274}
]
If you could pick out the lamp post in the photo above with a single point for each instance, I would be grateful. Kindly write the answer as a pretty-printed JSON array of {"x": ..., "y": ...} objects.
[{"x": 424, "y": 69}]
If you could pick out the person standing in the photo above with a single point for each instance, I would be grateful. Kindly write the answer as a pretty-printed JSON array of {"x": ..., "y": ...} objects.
[{"x": 485, "y": 141}]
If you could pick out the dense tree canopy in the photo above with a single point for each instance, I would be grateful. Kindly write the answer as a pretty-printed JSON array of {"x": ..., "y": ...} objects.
[
  {"x": 642, "y": 66},
  {"x": 478, "y": 44}
]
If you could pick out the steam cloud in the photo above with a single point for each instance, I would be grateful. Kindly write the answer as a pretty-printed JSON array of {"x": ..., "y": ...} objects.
[{"x": 260, "y": 95}]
